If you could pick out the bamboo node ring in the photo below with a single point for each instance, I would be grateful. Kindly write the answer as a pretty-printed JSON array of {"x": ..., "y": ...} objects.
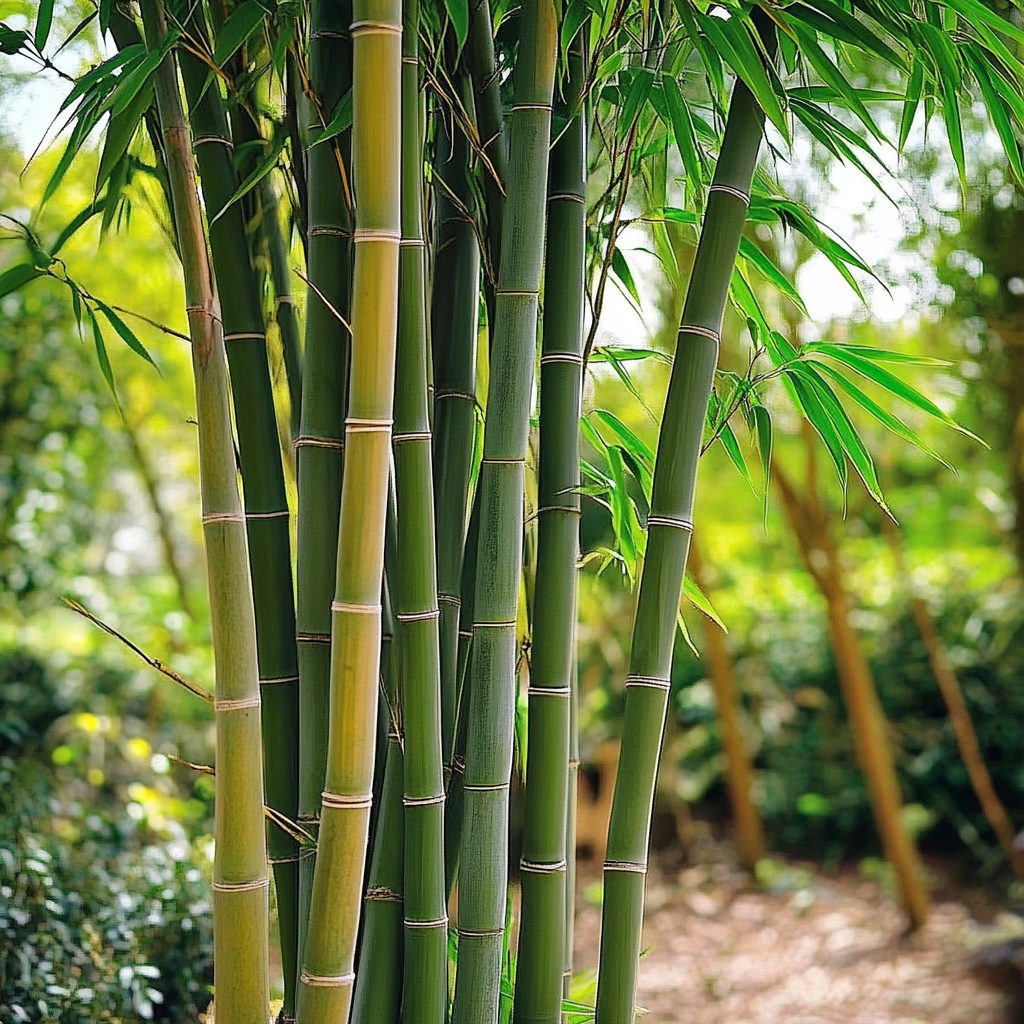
[
  {"x": 541, "y": 867},
  {"x": 283, "y": 514},
  {"x": 548, "y": 691},
  {"x": 376, "y": 235},
  {"x": 357, "y": 425},
  {"x": 241, "y": 704},
  {"x": 730, "y": 191},
  {"x": 503, "y": 462},
  {"x": 495, "y": 625},
  {"x": 313, "y": 638},
  {"x": 312, "y": 441},
  {"x": 289, "y": 299},
  {"x": 529, "y": 292},
  {"x": 530, "y": 106},
  {"x": 326, "y": 980},
  {"x": 570, "y": 197},
  {"x": 571, "y": 509},
  {"x": 676, "y": 522},
  {"x": 454, "y": 394},
  {"x": 703, "y": 332},
  {"x": 354, "y": 608},
  {"x": 363, "y": 28},
  {"x": 222, "y": 517},
  {"x": 438, "y": 922},
  {"x": 256, "y": 883},
  {"x": 330, "y": 229},
  {"x": 450, "y": 599},
  {"x": 278, "y": 679},
  {"x": 496, "y": 788},
  {"x": 284, "y": 860},
  {"x": 246, "y": 336},
  {"x": 466, "y": 633},
  {"x": 345, "y": 801},
  {"x": 426, "y": 616},
  {"x": 422, "y": 801},
  {"x": 411, "y": 60},
  {"x": 561, "y": 357},
  {"x": 412, "y": 243},
  {"x": 416, "y": 435},
  {"x": 201, "y": 140},
  {"x": 653, "y": 682},
  {"x": 328, "y": 33},
  {"x": 635, "y": 866},
  {"x": 479, "y": 933}
]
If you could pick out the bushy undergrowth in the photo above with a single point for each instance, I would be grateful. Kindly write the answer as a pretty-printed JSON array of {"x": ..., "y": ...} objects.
[{"x": 104, "y": 912}]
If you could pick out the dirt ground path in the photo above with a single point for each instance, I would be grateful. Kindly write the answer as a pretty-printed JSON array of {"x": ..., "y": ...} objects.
[{"x": 813, "y": 951}]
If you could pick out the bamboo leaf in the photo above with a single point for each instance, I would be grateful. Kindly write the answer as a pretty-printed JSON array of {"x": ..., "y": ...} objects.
[
  {"x": 607, "y": 353},
  {"x": 879, "y": 355},
  {"x": 101, "y": 355},
  {"x": 11, "y": 40},
  {"x": 978, "y": 14},
  {"x": 458, "y": 12},
  {"x": 242, "y": 23},
  {"x": 262, "y": 169},
  {"x": 44, "y": 19},
  {"x": 17, "y": 277},
  {"x": 700, "y": 601},
  {"x": 341, "y": 121},
  {"x": 125, "y": 332},
  {"x": 763, "y": 426},
  {"x": 82, "y": 217},
  {"x": 839, "y": 23},
  {"x": 997, "y": 112},
  {"x": 621, "y": 271},
  {"x": 683, "y": 132},
  {"x": 688, "y": 640},
  {"x": 121, "y": 129},
  {"x": 822, "y": 426},
  {"x": 771, "y": 273},
  {"x": 636, "y": 97},
  {"x": 132, "y": 53}
]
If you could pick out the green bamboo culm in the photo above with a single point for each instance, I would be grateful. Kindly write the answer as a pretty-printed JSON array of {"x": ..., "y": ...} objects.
[
  {"x": 483, "y": 870},
  {"x": 454, "y": 318},
  {"x": 669, "y": 528},
  {"x": 240, "y": 877},
  {"x": 378, "y": 994},
  {"x": 425, "y": 985},
  {"x": 327, "y": 976},
  {"x": 285, "y": 314},
  {"x": 320, "y": 443},
  {"x": 266, "y": 504},
  {"x": 543, "y": 867}
]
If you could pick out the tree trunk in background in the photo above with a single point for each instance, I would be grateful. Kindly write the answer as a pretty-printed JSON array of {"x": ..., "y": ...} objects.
[
  {"x": 739, "y": 773},
  {"x": 810, "y": 522}
]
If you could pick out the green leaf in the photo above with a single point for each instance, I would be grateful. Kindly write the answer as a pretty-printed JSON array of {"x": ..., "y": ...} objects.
[
  {"x": 878, "y": 355},
  {"x": 700, "y": 601},
  {"x": 82, "y": 217},
  {"x": 458, "y": 12},
  {"x": 681, "y": 622},
  {"x": 341, "y": 121},
  {"x": 639, "y": 452},
  {"x": 17, "y": 277},
  {"x": 996, "y": 111},
  {"x": 763, "y": 426},
  {"x": 44, "y": 19},
  {"x": 101, "y": 355},
  {"x": 821, "y": 424},
  {"x": 132, "y": 81},
  {"x": 838, "y": 23},
  {"x": 771, "y": 273},
  {"x": 121, "y": 129},
  {"x": 621, "y": 271},
  {"x": 126, "y": 334},
  {"x": 135, "y": 52},
  {"x": 636, "y": 97},
  {"x": 892, "y": 423},
  {"x": 891, "y": 383},
  {"x": 262, "y": 169},
  {"x": 732, "y": 448},
  {"x": 237, "y": 29},
  {"x": 608, "y": 353},
  {"x": 978, "y": 14},
  {"x": 685, "y": 136},
  {"x": 11, "y": 40}
]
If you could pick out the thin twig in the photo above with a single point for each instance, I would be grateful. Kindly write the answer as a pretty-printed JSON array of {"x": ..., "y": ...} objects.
[
  {"x": 320, "y": 295},
  {"x": 156, "y": 663}
]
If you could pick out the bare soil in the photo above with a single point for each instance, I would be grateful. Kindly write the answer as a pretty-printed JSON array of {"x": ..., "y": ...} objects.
[{"x": 811, "y": 949}]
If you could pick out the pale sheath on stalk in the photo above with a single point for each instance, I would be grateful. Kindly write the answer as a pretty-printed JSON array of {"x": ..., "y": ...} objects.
[
  {"x": 240, "y": 879},
  {"x": 327, "y": 976},
  {"x": 483, "y": 862},
  {"x": 542, "y": 933},
  {"x": 669, "y": 528}
]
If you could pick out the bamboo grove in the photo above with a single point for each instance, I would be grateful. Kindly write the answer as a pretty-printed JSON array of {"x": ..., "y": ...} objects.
[{"x": 408, "y": 215}]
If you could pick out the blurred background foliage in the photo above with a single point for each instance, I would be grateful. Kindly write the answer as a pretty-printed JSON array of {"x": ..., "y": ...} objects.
[{"x": 104, "y": 835}]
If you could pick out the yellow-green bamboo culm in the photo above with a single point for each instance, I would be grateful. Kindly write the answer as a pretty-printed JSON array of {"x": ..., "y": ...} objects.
[
  {"x": 319, "y": 445},
  {"x": 378, "y": 994},
  {"x": 425, "y": 980},
  {"x": 327, "y": 976},
  {"x": 542, "y": 934},
  {"x": 240, "y": 877},
  {"x": 669, "y": 528},
  {"x": 266, "y": 504},
  {"x": 483, "y": 867}
]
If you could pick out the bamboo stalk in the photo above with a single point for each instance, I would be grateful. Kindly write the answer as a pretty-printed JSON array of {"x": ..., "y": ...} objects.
[
  {"x": 425, "y": 988},
  {"x": 240, "y": 878},
  {"x": 378, "y": 993},
  {"x": 484, "y": 870},
  {"x": 454, "y": 319},
  {"x": 326, "y": 980},
  {"x": 542, "y": 934},
  {"x": 284, "y": 301},
  {"x": 266, "y": 504},
  {"x": 669, "y": 528},
  {"x": 739, "y": 774},
  {"x": 319, "y": 446}
]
